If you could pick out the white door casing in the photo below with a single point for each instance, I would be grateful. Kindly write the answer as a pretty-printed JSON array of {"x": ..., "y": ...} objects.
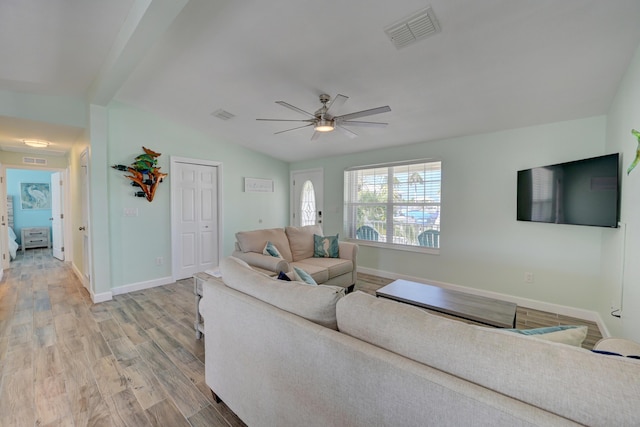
[
  {"x": 195, "y": 216},
  {"x": 297, "y": 186},
  {"x": 57, "y": 235}
]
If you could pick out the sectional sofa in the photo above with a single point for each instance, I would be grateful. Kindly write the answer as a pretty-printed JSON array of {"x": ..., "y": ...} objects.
[{"x": 291, "y": 354}]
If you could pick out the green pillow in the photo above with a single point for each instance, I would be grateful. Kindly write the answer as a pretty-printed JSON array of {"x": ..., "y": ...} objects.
[
  {"x": 303, "y": 276},
  {"x": 270, "y": 249},
  {"x": 326, "y": 246}
]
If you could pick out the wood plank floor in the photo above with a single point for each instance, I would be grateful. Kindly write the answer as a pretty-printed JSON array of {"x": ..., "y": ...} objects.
[{"x": 132, "y": 361}]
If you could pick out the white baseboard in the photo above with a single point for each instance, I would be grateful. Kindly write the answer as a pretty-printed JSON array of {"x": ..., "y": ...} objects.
[
  {"x": 101, "y": 297},
  {"x": 141, "y": 285},
  {"x": 564, "y": 310}
]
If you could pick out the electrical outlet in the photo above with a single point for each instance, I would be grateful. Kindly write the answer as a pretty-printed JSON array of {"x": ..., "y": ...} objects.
[
  {"x": 159, "y": 260},
  {"x": 528, "y": 277}
]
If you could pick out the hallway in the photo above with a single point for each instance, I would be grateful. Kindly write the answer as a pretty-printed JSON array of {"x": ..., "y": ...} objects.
[{"x": 132, "y": 361}]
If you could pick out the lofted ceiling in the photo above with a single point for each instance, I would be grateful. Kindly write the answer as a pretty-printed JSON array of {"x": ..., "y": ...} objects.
[{"x": 495, "y": 64}]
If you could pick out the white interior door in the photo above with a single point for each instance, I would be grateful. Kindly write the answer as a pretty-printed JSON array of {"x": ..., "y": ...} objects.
[
  {"x": 84, "y": 226},
  {"x": 57, "y": 240},
  {"x": 307, "y": 197},
  {"x": 195, "y": 217}
]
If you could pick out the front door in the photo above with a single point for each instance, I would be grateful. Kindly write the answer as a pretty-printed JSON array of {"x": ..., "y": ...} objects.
[
  {"x": 307, "y": 197},
  {"x": 195, "y": 222}
]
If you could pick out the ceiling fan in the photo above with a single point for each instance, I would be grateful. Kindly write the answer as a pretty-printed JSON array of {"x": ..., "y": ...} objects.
[{"x": 324, "y": 121}]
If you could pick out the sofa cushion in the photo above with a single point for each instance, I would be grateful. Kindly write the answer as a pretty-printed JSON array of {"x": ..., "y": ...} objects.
[
  {"x": 326, "y": 246},
  {"x": 334, "y": 266},
  {"x": 301, "y": 240},
  {"x": 256, "y": 240},
  {"x": 515, "y": 365},
  {"x": 314, "y": 303}
]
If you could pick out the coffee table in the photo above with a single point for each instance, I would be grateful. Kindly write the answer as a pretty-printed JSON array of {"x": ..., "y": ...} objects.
[{"x": 487, "y": 311}]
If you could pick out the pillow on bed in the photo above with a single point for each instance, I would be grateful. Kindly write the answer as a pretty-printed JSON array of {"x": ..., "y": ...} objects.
[{"x": 12, "y": 235}]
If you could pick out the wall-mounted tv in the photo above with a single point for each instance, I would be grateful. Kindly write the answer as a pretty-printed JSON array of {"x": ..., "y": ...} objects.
[{"x": 582, "y": 192}]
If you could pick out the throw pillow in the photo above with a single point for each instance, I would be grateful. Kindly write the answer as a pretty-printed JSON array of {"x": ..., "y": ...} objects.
[
  {"x": 283, "y": 276},
  {"x": 303, "y": 276},
  {"x": 572, "y": 335},
  {"x": 270, "y": 249},
  {"x": 326, "y": 246}
]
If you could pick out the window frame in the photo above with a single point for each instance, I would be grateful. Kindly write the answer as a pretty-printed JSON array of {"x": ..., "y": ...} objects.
[{"x": 351, "y": 204}]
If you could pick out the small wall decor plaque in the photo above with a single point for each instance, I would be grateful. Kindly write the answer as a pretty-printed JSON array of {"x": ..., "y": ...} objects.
[
  {"x": 255, "y": 185},
  {"x": 144, "y": 173}
]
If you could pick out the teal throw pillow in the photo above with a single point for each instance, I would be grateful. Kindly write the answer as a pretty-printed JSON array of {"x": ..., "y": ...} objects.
[
  {"x": 326, "y": 246},
  {"x": 303, "y": 276},
  {"x": 270, "y": 249},
  {"x": 566, "y": 334}
]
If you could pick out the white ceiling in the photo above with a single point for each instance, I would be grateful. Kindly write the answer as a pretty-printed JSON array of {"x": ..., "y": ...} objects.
[{"x": 496, "y": 64}]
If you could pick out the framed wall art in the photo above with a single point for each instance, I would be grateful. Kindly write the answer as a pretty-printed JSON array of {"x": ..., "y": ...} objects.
[{"x": 35, "y": 195}]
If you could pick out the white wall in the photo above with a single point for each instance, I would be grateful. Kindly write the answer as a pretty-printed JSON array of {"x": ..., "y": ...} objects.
[
  {"x": 620, "y": 253},
  {"x": 482, "y": 244}
]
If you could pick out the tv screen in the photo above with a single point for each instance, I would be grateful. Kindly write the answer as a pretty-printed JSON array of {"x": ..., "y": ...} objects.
[{"x": 583, "y": 192}]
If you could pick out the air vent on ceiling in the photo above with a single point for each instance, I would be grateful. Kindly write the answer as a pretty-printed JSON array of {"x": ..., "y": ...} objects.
[
  {"x": 415, "y": 27},
  {"x": 222, "y": 114},
  {"x": 34, "y": 161}
]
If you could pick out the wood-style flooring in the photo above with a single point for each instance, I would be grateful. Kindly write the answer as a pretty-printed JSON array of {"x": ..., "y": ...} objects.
[{"x": 132, "y": 361}]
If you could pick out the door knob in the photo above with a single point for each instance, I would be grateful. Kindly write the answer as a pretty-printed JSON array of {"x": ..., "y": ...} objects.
[{"x": 82, "y": 228}]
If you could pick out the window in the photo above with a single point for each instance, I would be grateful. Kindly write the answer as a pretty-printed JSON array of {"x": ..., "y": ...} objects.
[
  {"x": 308, "y": 204},
  {"x": 395, "y": 205}
]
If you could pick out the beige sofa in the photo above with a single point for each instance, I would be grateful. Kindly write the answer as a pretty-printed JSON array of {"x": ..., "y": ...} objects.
[
  {"x": 296, "y": 245},
  {"x": 290, "y": 354}
]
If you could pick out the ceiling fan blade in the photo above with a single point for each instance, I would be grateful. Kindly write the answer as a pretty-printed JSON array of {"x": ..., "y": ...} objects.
[
  {"x": 364, "y": 124},
  {"x": 346, "y": 131},
  {"x": 286, "y": 120},
  {"x": 315, "y": 135},
  {"x": 299, "y": 127},
  {"x": 364, "y": 113},
  {"x": 336, "y": 102},
  {"x": 291, "y": 107}
]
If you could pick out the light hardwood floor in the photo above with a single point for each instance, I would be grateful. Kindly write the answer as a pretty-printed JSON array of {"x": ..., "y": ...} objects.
[{"x": 132, "y": 361}]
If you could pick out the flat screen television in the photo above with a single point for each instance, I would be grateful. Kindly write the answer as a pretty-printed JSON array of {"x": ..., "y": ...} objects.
[{"x": 582, "y": 192}]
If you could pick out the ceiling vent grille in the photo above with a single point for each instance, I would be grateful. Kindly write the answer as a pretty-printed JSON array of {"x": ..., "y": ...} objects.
[
  {"x": 222, "y": 114},
  {"x": 415, "y": 27},
  {"x": 34, "y": 161}
]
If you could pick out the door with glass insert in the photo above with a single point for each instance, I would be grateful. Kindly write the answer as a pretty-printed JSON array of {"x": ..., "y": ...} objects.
[{"x": 307, "y": 197}]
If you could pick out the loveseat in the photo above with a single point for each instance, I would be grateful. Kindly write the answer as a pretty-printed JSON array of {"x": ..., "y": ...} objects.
[
  {"x": 291, "y": 354},
  {"x": 297, "y": 247}
]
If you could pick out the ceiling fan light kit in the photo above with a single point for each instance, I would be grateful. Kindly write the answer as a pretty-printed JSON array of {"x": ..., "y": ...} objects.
[
  {"x": 324, "y": 121},
  {"x": 323, "y": 125}
]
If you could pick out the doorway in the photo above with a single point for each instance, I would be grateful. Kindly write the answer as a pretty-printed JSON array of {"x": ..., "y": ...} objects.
[
  {"x": 307, "y": 197},
  {"x": 34, "y": 202},
  {"x": 196, "y": 204}
]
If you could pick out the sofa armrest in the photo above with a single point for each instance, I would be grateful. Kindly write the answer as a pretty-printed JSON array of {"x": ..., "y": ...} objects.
[
  {"x": 265, "y": 262},
  {"x": 348, "y": 251}
]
